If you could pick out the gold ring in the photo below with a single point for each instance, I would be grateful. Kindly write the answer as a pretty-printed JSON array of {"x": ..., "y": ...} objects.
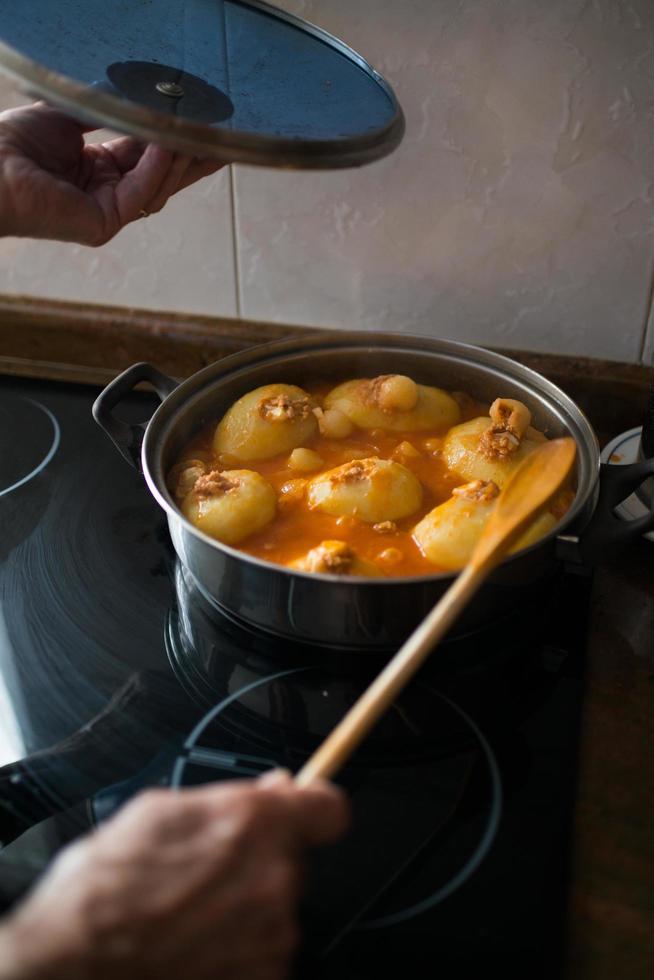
[{"x": 144, "y": 214}]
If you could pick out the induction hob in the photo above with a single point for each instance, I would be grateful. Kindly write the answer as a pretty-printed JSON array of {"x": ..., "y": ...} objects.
[{"x": 116, "y": 674}]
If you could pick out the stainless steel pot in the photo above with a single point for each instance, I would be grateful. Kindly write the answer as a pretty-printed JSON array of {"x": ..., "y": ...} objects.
[{"x": 358, "y": 613}]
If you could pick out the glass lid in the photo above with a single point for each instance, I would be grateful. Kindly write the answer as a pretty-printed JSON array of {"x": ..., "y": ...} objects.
[{"x": 237, "y": 80}]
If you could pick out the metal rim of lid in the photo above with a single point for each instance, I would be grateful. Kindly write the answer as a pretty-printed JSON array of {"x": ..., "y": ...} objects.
[{"x": 106, "y": 110}]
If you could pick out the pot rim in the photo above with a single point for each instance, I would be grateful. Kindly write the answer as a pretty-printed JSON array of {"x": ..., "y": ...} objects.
[{"x": 343, "y": 340}]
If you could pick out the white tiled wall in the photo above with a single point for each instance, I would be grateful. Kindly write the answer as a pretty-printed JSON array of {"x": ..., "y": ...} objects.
[{"x": 519, "y": 211}]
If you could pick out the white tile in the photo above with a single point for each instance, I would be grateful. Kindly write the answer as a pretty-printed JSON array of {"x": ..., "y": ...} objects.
[
  {"x": 181, "y": 259},
  {"x": 519, "y": 211}
]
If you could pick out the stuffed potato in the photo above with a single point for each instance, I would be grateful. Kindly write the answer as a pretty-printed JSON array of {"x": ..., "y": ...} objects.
[
  {"x": 268, "y": 421},
  {"x": 230, "y": 506},
  {"x": 335, "y": 558},
  {"x": 394, "y": 402},
  {"x": 463, "y": 451},
  {"x": 447, "y": 535},
  {"x": 371, "y": 490},
  {"x": 356, "y": 480}
]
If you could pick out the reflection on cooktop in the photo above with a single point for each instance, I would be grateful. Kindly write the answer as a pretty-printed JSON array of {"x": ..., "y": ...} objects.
[{"x": 115, "y": 675}]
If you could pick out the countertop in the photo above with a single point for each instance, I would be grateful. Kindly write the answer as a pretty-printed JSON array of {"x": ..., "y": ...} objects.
[
  {"x": 612, "y": 897},
  {"x": 611, "y": 907},
  {"x": 611, "y": 913}
]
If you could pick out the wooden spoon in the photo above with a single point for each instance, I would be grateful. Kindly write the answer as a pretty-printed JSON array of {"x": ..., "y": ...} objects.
[{"x": 526, "y": 494}]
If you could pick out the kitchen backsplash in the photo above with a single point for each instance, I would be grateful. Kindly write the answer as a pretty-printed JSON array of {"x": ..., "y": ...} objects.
[{"x": 518, "y": 212}]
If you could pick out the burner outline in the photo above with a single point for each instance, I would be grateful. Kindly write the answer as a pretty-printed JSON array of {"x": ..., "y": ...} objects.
[
  {"x": 484, "y": 846},
  {"x": 464, "y": 873},
  {"x": 46, "y": 459}
]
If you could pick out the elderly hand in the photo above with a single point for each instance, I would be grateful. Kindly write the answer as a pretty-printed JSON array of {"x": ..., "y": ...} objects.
[
  {"x": 53, "y": 185},
  {"x": 197, "y": 884}
]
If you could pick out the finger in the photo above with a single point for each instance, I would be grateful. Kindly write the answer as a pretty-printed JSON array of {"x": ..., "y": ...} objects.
[
  {"x": 316, "y": 814},
  {"x": 125, "y": 151},
  {"x": 45, "y": 110},
  {"x": 323, "y": 812},
  {"x": 199, "y": 169},
  {"x": 141, "y": 185},
  {"x": 275, "y": 777},
  {"x": 84, "y": 125},
  {"x": 154, "y": 819},
  {"x": 313, "y": 814},
  {"x": 68, "y": 214},
  {"x": 53, "y": 114},
  {"x": 170, "y": 184}
]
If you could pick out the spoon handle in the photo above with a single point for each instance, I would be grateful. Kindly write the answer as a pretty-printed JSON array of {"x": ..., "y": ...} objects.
[
  {"x": 356, "y": 724},
  {"x": 525, "y": 496}
]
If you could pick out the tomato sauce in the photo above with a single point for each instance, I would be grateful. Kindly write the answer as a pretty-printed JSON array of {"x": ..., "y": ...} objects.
[{"x": 296, "y": 529}]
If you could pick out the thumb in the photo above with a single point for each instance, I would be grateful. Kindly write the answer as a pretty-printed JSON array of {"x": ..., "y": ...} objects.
[
  {"x": 139, "y": 186},
  {"x": 275, "y": 777}
]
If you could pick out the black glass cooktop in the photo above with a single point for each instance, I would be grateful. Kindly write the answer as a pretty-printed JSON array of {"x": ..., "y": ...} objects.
[{"x": 116, "y": 674}]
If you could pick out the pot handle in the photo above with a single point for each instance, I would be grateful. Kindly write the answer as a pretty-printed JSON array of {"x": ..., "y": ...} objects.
[
  {"x": 606, "y": 531},
  {"x": 126, "y": 436}
]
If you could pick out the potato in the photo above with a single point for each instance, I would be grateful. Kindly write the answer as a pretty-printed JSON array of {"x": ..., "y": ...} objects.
[
  {"x": 335, "y": 558},
  {"x": 334, "y": 425},
  {"x": 268, "y": 421},
  {"x": 372, "y": 490},
  {"x": 305, "y": 460},
  {"x": 463, "y": 456},
  {"x": 536, "y": 530},
  {"x": 406, "y": 450},
  {"x": 184, "y": 475},
  {"x": 291, "y": 493},
  {"x": 383, "y": 403},
  {"x": 230, "y": 506},
  {"x": 390, "y": 557},
  {"x": 448, "y": 534}
]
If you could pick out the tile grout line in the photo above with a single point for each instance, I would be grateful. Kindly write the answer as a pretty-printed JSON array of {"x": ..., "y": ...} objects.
[
  {"x": 237, "y": 267},
  {"x": 649, "y": 318},
  {"x": 232, "y": 189}
]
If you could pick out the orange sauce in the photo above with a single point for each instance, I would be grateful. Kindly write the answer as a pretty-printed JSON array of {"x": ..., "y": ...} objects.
[{"x": 296, "y": 529}]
